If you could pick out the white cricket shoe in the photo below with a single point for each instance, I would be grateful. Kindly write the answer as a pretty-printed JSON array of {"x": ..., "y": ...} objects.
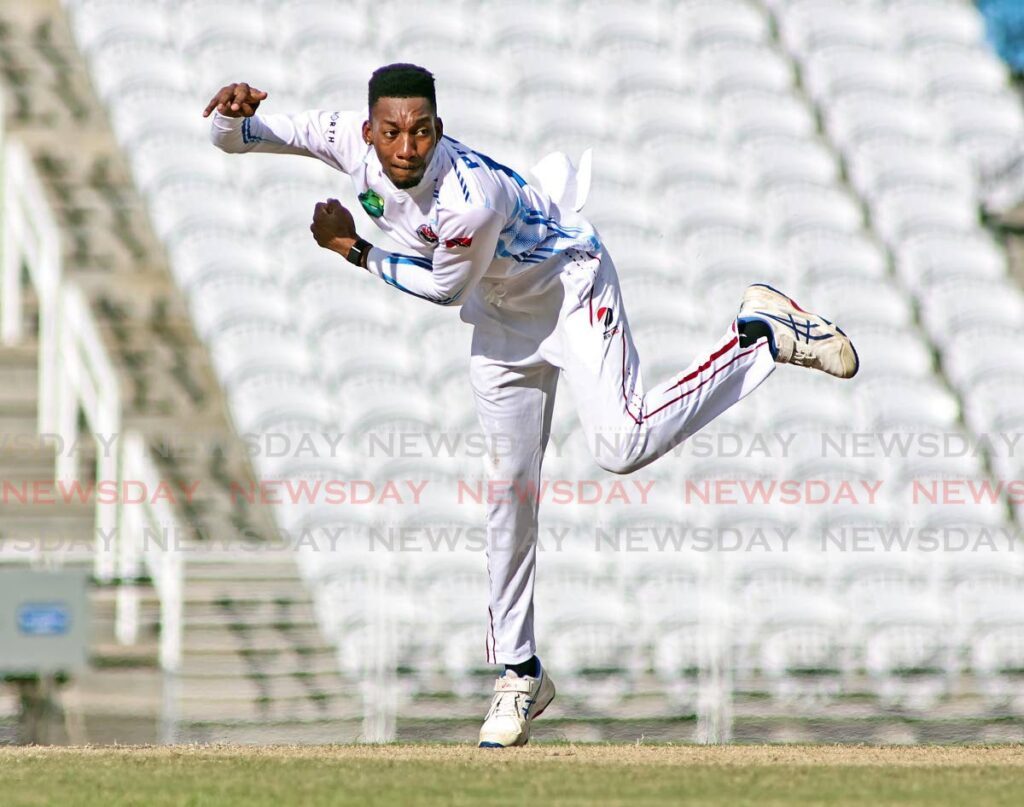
[
  {"x": 517, "y": 701},
  {"x": 800, "y": 337}
]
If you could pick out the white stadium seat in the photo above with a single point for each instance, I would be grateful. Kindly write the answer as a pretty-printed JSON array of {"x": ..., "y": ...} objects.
[
  {"x": 972, "y": 355},
  {"x": 701, "y": 23},
  {"x": 837, "y": 71},
  {"x": 926, "y": 22},
  {"x": 958, "y": 305},
  {"x": 771, "y": 161},
  {"x": 862, "y": 301},
  {"x": 902, "y": 213},
  {"x": 874, "y": 343},
  {"x": 699, "y": 206},
  {"x": 219, "y": 64},
  {"x": 299, "y": 410},
  {"x": 754, "y": 113},
  {"x": 878, "y": 166},
  {"x": 811, "y": 26},
  {"x": 820, "y": 257},
  {"x": 944, "y": 69},
  {"x": 892, "y": 403},
  {"x": 861, "y": 117},
  {"x": 134, "y": 64},
  {"x": 930, "y": 257},
  {"x": 300, "y": 23},
  {"x": 97, "y": 25},
  {"x": 200, "y": 23},
  {"x": 728, "y": 68},
  {"x": 996, "y": 404},
  {"x": 796, "y": 209}
]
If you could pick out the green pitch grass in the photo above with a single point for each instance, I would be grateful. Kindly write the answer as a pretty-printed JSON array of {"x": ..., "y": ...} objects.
[{"x": 540, "y": 774}]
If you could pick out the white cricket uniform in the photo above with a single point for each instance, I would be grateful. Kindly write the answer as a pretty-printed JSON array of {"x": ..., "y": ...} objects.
[{"x": 543, "y": 297}]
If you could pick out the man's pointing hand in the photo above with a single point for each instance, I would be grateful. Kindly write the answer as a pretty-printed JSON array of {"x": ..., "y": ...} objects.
[{"x": 235, "y": 101}]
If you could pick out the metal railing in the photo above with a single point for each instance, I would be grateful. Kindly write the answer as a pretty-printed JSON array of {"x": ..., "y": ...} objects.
[{"x": 77, "y": 376}]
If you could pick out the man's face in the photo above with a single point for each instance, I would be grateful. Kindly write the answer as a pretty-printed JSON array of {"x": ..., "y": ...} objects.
[{"x": 404, "y": 133}]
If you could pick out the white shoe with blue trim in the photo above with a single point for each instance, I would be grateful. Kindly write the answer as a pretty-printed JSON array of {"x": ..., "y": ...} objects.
[
  {"x": 799, "y": 337},
  {"x": 517, "y": 701}
]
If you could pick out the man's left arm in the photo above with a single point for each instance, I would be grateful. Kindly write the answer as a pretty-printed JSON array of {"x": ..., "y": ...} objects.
[{"x": 466, "y": 245}]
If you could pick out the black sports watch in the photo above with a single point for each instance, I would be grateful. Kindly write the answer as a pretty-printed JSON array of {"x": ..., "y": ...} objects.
[{"x": 358, "y": 251}]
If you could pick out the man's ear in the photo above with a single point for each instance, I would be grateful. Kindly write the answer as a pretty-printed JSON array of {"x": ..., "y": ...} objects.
[
  {"x": 366, "y": 133},
  {"x": 439, "y": 126}
]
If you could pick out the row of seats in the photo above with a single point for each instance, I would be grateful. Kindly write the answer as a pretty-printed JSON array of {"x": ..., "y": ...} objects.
[{"x": 831, "y": 148}]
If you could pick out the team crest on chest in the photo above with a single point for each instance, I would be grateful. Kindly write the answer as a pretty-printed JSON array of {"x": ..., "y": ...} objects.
[
  {"x": 372, "y": 203},
  {"x": 426, "y": 233}
]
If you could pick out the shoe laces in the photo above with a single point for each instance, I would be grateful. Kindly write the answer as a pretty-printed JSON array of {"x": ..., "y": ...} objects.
[
  {"x": 511, "y": 700},
  {"x": 509, "y": 704}
]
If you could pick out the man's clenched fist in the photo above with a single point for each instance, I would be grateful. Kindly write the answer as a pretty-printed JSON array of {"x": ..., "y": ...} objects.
[
  {"x": 333, "y": 226},
  {"x": 235, "y": 101}
]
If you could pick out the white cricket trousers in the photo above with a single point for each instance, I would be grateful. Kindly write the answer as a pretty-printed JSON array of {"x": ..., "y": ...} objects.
[{"x": 565, "y": 316}]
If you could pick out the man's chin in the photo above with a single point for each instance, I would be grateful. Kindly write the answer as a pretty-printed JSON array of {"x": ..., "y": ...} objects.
[{"x": 404, "y": 180}]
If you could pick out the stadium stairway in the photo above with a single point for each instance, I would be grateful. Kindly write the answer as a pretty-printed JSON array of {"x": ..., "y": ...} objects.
[{"x": 254, "y": 667}]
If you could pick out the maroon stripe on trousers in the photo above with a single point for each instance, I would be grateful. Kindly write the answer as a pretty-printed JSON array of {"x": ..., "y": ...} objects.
[
  {"x": 637, "y": 419},
  {"x": 721, "y": 351},
  {"x": 706, "y": 380},
  {"x": 491, "y": 652}
]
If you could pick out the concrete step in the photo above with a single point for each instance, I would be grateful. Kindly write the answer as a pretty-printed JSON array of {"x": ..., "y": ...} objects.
[
  {"x": 19, "y": 386},
  {"x": 255, "y": 619},
  {"x": 24, "y": 458},
  {"x": 270, "y": 662},
  {"x": 205, "y": 566},
  {"x": 26, "y": 353},
  {"x": 340, "y": 706},
  {"x": 206, "y": 638},
  {"x": 111, "y": 655},
  {"x": 220, "y": 595},
  {"x": 120, "y": 691},
  {"x": 255, "y": 687},
  {"x": 47, "y": 528},
  {"x": 19, "y": 418}
]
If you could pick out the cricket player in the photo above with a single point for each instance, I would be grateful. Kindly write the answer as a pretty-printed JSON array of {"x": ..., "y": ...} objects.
[{"x": 533, "y": 278}]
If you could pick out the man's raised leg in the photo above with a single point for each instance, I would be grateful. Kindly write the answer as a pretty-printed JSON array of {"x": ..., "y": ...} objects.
[{"x": 627, "y": 425}]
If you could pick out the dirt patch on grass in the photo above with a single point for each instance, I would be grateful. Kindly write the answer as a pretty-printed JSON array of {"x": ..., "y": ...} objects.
[{"x": 597, "y": 754}]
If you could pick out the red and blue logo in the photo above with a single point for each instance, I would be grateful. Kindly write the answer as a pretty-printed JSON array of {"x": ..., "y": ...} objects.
[
  {"x": 426, "y": 232},
  {"x": 452, "y": 243}
]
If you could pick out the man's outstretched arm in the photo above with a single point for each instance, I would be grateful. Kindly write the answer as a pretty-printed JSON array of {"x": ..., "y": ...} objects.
[
  {"x": 466, "y": 248},
  {"x": 236, "y": 128}
]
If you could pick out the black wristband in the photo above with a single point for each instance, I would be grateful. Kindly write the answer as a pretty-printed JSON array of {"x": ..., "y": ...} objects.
[{"x": 358, "y": 251}]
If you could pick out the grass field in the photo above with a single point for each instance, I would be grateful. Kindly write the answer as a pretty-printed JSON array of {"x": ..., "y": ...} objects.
[{"x": 537, "y": 775}]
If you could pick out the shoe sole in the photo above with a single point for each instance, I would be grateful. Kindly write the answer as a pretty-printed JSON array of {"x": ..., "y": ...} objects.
[{"x": 790, "y": 301}]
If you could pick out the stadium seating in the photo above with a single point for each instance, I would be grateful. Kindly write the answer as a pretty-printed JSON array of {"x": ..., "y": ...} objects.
[{"x": 834, "y": 149}]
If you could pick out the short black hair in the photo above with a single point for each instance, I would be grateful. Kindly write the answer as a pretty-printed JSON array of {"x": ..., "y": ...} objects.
[{"x": 402, "y": 81}]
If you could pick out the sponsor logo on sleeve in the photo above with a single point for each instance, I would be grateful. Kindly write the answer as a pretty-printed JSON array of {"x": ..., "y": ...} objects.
[{"x": 452, "y": 243}]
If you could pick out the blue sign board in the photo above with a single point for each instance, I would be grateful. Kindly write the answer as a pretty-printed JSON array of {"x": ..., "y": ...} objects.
[{"x": 43, "y": 618}]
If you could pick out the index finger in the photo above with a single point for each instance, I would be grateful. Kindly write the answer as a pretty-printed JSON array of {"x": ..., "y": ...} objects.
[{"x": 214, "y": 103}]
